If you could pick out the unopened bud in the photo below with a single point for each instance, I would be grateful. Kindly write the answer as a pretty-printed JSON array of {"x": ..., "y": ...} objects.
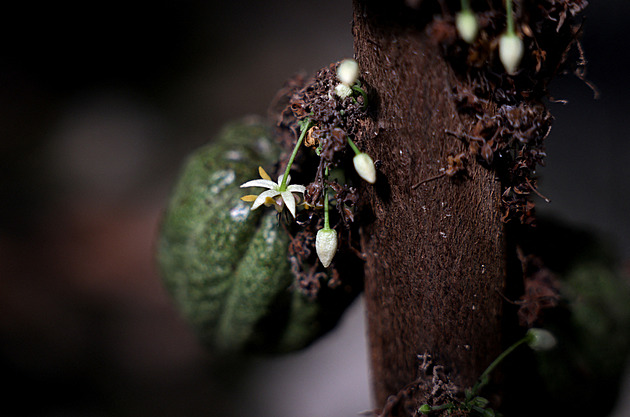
[
  {"x": 467, "y": 26},
  {"x": 540, "y": 339},
  {"x": 343, "y": 91},
  {"x": 348, "y": 71},
  {"x": 326, "y": 245},
  {"x": 365, "y": 167},
  {"x": 510, "y": 52}
]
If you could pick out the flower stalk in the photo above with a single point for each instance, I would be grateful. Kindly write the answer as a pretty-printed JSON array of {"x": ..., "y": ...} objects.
[
  {"x": 510, "y": 17},
  {"x": 279, "y": 194},
  {"x": 305, "y": 127},
  {"x": 537, "y": 339}
]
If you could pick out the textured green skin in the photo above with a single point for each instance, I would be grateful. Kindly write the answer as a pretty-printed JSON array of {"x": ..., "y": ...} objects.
[{"x": 225, "y": 265}]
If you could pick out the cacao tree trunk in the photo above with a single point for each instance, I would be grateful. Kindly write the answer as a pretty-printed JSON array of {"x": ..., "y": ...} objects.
[{"x": 435, "y": 252}]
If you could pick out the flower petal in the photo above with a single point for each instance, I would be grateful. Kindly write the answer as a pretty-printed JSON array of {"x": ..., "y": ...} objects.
[
  {"x": 263, "y": 197},
  {"x": 289, "y": 201},
  {"x": 260, "y": 183},
  {"x": 263, "y": 174},
  {"x": 282, "y": 176},
  {"x": 296, "y": 188}
]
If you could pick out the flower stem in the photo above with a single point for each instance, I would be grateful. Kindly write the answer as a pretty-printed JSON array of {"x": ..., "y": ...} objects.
[
  {"x": 483, "y": 379},
  {"x": 305, "y": 128},
  {"x": 353, "y": 146},
  {"x": 465, "y": 5},
  {"x": 361, "y": 91},
  {"x": 510, "y": 18},
  {"x": 326, "y": 221}
]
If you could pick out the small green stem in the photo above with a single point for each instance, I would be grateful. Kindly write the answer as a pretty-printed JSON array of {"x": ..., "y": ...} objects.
[
  {"x": 483, "y": 379},
  {"x": 465, "y": 5},
  {"x": 361, "y": 91},
  {"x": 426, "y": 408},
  {"x": 441, "y": 407},
  {"x": 283, "y": 184},
  {"x": 326, "y": 221},
  {"x": 353, "y": 146},
  {"x": 510, "y": 17}
]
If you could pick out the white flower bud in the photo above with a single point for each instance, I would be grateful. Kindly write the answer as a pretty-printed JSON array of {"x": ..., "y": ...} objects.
[
  {"x": 365, "y": 167},
  {"x": 343, "y": 91},
  {"x": 510, "y": 52},
  {"x": 326, "y": 245},
  {"x": 540, "y": 339},
  {"x": 467, "y": 26},
  {"x": 348, "y": 71}
]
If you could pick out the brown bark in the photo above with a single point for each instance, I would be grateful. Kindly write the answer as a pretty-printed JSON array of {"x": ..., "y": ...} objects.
[{"x": 435, "y": 254}]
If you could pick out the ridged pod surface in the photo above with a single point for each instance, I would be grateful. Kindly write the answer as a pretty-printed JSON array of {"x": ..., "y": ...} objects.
[{"x": 225, "y": 265}]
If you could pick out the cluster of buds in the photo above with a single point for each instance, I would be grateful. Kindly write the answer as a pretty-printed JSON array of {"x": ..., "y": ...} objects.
[
  {"x": 326, "y": 239},
  {"x": 280, "y": 194}
]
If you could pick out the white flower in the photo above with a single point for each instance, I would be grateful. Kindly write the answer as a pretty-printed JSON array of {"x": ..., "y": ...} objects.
[
  {"x": 540, "y": 339},
  {"x": 326, "y": 245},
  {"x": 348, "y": 71},
  {"x": 364, "y": 165},
  {"x": 467, "y": 26},
  {"x": 273, "y": 196},
  {"x": 510, "y": 52}
]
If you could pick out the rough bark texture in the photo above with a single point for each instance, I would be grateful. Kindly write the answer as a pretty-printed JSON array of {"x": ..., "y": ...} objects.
[{"x": 435, "y": 254}]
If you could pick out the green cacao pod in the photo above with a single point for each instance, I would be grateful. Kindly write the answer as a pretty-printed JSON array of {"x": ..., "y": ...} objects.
[{"x": 225, "y": 265}]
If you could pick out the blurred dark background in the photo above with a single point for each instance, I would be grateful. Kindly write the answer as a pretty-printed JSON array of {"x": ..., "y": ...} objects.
[{"x": 99, "y": 104}]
